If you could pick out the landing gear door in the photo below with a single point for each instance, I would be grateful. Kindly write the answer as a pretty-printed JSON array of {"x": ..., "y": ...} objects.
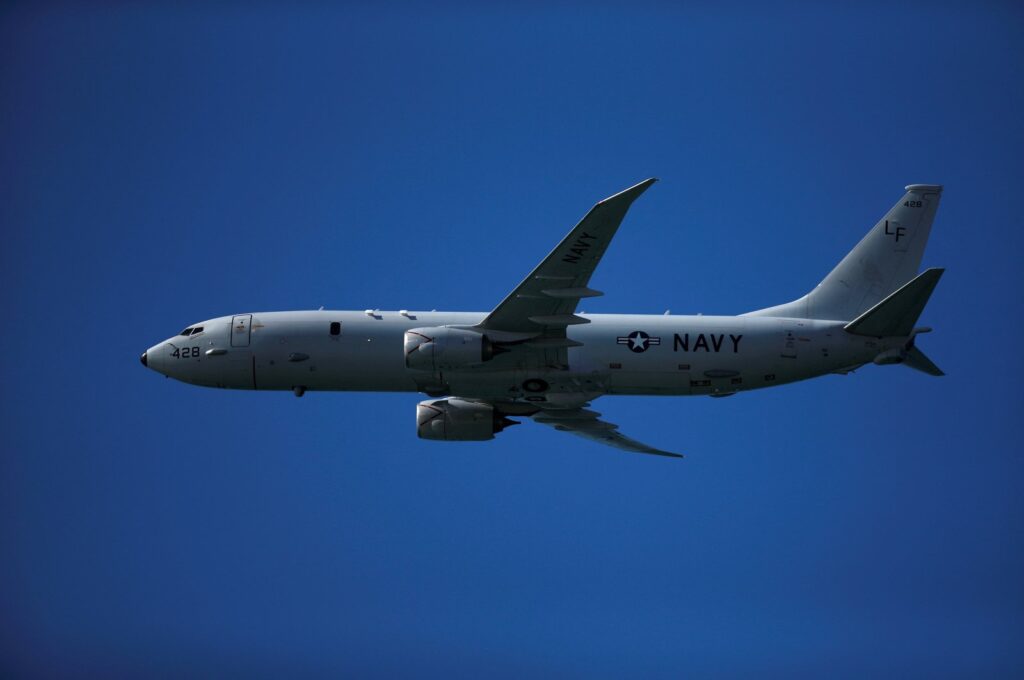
[{"x": 240, "y": 329}]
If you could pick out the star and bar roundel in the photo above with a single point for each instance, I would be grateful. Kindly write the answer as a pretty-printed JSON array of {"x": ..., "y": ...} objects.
[{"x": 638, "y": 341}]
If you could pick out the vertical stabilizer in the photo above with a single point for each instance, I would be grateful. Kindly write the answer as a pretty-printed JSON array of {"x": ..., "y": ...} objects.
[{"x": 884, "y": 260}]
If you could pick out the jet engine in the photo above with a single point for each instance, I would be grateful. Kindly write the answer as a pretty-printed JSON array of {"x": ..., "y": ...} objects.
[
  {"x": 444, "y": 348},
  {"x": 458, "y": 420}
]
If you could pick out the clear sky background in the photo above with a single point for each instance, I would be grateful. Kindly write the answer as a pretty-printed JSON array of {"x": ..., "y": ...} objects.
[{"x": 164, "y": 163}]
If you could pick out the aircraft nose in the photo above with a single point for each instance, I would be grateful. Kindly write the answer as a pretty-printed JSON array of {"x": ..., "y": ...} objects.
[{"x": 144, "y": 359}]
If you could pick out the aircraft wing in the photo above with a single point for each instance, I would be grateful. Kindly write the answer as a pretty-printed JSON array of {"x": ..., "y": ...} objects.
[
  {"x": 545, "y": 302},
  {"x": 587, "y": 424}
]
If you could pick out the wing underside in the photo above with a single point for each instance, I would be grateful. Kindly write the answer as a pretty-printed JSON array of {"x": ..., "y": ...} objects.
[{"x": 588, "y": 424}]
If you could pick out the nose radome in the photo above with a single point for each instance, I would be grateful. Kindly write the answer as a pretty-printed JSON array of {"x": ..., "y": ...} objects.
[{"x": 144, "y": 359}]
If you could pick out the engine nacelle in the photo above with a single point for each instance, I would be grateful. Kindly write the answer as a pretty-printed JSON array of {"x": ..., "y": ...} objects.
[
  {"x": 444, "y": 348},
  {"x": 458, "y": 420}
]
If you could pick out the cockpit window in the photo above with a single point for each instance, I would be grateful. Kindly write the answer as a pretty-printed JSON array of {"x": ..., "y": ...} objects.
[
  {"x": 191, "y": 330},
  {"x": 197, "y": 330},
  {"x": 187, "y": 332}
]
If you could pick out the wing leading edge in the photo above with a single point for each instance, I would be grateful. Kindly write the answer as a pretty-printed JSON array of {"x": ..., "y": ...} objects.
[{"x": 545, "y": 302}]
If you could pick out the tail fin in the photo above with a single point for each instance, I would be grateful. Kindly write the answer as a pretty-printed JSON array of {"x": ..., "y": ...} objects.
[{"x": 885, "y": 259}]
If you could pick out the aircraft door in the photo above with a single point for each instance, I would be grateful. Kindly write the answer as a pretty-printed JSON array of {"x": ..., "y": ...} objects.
[{"x": 240, "y": 330}]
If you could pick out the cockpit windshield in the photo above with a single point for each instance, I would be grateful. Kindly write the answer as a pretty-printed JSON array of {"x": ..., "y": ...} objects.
[{"x": 196, "y": 330}]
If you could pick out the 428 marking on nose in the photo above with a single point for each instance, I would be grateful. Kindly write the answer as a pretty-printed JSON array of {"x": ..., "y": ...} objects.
[{"x": 186, "y": 353}]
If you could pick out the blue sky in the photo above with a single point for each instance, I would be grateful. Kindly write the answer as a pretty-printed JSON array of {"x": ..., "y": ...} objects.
[{"x": 162, "y": 164}]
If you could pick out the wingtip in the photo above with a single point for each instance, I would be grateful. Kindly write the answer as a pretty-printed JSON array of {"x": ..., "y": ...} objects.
[{"x": 632, "y": 193}]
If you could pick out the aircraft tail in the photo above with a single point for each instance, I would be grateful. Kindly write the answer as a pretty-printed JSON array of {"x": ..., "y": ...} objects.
[
  {"x": 885, "y": 259},
  {"x": 895, "y": 316},
  {"x": 918, "y": 361}
]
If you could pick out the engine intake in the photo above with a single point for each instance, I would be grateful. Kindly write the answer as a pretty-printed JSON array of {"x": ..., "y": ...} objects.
[
  {"x": 445, "y": 348},
  {"x": 458, "y": 420}
]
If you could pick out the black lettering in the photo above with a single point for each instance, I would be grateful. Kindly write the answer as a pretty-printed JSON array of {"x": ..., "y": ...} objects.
[
  {"x": 578, "y": 248},
  {"x": 701, "y": 342},
  {"x": 717, "y": 343},
  {"x": 681, "y": 342},
  {"x": 900, "y": 231},
  {"x": 735, "y": 342}
]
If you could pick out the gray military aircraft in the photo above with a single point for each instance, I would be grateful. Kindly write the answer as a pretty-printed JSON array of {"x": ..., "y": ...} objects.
[{"x": 535, "y": 356}]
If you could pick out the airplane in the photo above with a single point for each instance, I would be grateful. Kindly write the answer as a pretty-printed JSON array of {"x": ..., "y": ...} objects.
[{"x": 535, "y": 356}]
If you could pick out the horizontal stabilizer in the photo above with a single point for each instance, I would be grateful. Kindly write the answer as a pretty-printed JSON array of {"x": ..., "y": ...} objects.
[
  {"x": 896, "y": 315},
  {"x": 918, "y": 361}
]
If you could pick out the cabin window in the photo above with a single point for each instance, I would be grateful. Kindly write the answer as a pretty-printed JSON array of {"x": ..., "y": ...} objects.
[{"x": 335, "y": 328}]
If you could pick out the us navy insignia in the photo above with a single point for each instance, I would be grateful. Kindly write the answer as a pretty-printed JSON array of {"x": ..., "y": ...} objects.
[{"x": 638, "y": 341}]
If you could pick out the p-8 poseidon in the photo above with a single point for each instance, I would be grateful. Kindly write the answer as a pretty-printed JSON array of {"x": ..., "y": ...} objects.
[{"x": 535, "y": 356}]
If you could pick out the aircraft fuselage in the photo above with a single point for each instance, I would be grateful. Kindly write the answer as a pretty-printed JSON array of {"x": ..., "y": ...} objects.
[{"x": 618, "y": 354}]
